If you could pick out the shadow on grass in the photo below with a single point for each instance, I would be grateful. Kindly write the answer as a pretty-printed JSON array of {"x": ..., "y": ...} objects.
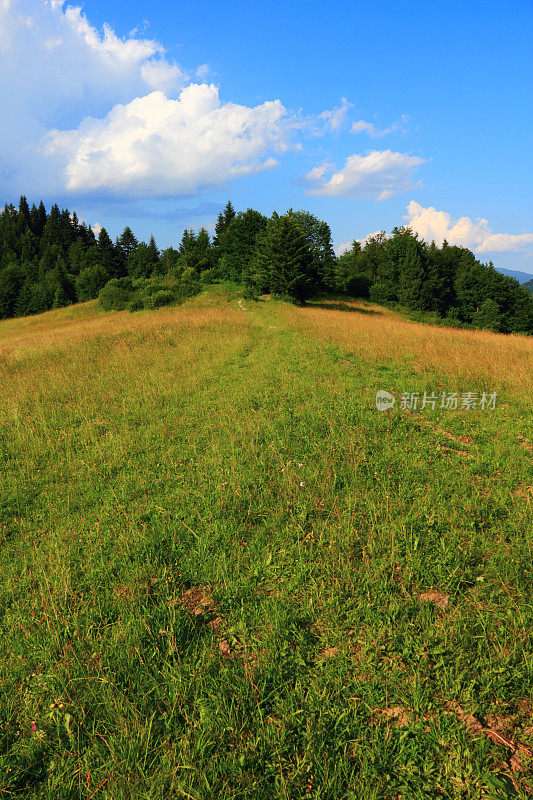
[{"x": 338, "y": 305}]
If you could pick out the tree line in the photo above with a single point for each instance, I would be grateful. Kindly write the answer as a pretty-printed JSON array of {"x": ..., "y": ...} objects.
[{"x": 51, "y": 259}]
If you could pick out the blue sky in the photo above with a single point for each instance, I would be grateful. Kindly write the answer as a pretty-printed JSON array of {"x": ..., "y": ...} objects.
[{"x": 369, "y": 114}]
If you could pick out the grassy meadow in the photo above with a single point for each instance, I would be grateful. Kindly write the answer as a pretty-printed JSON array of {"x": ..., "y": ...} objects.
[{"x": 225, "y": 574}]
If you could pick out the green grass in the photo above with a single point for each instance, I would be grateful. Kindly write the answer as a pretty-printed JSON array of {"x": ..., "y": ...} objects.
[{"x": 241, "y": 460}]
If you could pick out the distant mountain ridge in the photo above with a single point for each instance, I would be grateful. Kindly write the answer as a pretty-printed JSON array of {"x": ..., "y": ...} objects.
[
  {"x": 529, "y": 286},
  {"x": 521, "y": 277}
]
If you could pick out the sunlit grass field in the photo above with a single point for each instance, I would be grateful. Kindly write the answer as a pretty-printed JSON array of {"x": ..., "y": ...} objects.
[{"x": 225, "y": 574}]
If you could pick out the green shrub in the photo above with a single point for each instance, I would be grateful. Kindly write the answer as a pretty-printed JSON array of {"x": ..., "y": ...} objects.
[
  {"x": 162, "y": 298},
  {"x": 90, "y": 281},
  {"x": 188, "y": 288},
  {"x": 209, "y": 275},
  {"x": 382, "y": 293},
  {"x": 488, "y": 316},
  {"x": 116, "y": 294},
  {"x": 136, "y": 294},
  {"x": 136, "y": 304}
]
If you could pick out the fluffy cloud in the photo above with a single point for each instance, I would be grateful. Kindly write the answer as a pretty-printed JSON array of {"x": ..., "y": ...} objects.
[
  {"x": 55, "y": 67},
  {"x": 51, "y": 53},
  {"x": 342, "y": 247},
  {"x": 158, "y": 146},
  {"x": 433, "y": 225},
  {"x": 379, "y": 175},
  {"x": 331, "y": 119},
  {"x": 367, "y": 127},
  {"x": 148, "y": 133}
]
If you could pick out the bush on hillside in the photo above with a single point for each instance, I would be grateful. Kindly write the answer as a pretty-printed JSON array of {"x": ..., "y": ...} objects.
[
  {"x": 136, "y": 294},
  {"x": 488, "y": 316},
  {"x": 116, "y": 294}
]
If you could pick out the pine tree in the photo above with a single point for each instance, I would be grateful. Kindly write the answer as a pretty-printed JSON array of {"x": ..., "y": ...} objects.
[
  {"x": 127, "y": 242},
  {"x": 283, "y": 263},
  {"x": 412, "y": 276},
  {"x": 109, "y": 257},
  {"x": 317, "y": 234},
  {"x": 240, "y": 242},
  {"x": 223, "y": 222}
]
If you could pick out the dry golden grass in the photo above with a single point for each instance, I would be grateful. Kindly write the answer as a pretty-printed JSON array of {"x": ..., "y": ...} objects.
[
  {"x": 72, "y": 350},
  {"x": 27, "y": 336},
  {"x": 374, "y": 333}
]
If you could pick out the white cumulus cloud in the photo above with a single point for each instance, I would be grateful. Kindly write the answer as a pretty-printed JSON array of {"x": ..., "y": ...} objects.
[
  {"x": 55, "y": 68},
  {"x": 367, "y": 127},
  {"x": 433, "y": 225},
  {"x": 87, "y": 110},
  {"x": 332, "y": 119},
  {"x": 379, "y": 174},
  {"x": 343, "y": 247},
  {"x": 50, "y": 53},
  {"x": 158, "y": 146}
]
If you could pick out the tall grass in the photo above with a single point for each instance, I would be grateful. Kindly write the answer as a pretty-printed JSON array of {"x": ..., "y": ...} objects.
[
  {"x": 225, "y": 574},
  {"x": 374, "y": 332}
]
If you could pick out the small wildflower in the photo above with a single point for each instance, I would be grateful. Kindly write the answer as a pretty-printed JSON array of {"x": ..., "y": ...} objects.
[{"x": 34, "y": 727}]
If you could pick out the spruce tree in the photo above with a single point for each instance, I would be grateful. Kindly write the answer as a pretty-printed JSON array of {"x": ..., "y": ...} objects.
[
  {"x": 350, "y": 277},
  {"x": 412, "y": 276},
  {"x": 24, "y": 217},
  {"x": 240, "y": 242},
  {"x": 153, "y": 252},
  {"x": 317, "y": 234},
  {"x": 283, "y": 262},
  {"x": 223, "y": 222},
  {"x": 229, "y": 214},
  {"x": 126, "y": 242},
  {"x": 109, "y": 257}
]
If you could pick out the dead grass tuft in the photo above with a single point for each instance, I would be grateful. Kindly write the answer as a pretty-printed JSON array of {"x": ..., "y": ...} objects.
[
  {"x": 437, "y": 598},
  {"x": 397, "y": 716},
  {"x": 329, "y": 652},
  {"x": 198, "y": 600}
]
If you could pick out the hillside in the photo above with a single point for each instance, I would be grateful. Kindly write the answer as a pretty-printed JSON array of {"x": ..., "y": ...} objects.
[
  {"x": 52, "y": 260},
  {"x": 226, "y": 574},
  {"x": 521, "y": 277}
]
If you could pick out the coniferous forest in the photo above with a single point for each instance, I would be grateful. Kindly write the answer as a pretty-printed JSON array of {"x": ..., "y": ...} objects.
[{"x": 51, "y": 259}]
